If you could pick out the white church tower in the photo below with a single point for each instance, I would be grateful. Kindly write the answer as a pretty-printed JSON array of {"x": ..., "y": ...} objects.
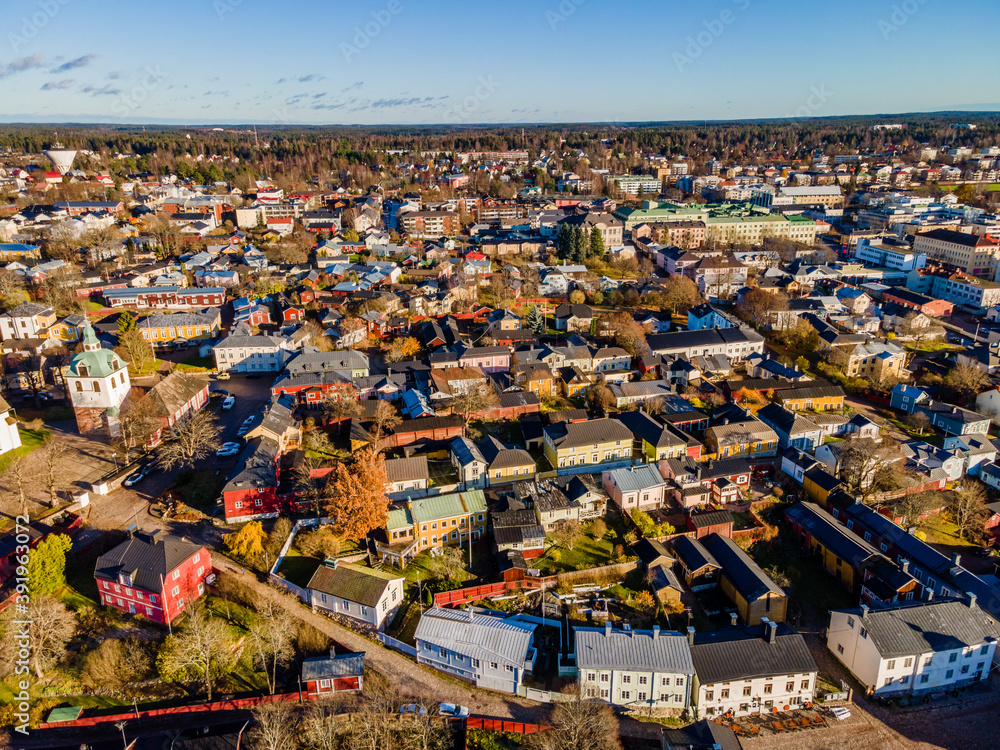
[{"x": 98, "y": 384}]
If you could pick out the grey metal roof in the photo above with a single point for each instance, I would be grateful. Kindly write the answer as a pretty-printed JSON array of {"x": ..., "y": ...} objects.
[
  {"x": 744, "y": 653},
  {"x": 406, "y": 469},
  {"x": 692, "y": 553},
  {"x": 595, "y": 432},
  {"x": 910, "y": 628},
  {"x": 145, "y": 557},
  {"x": 636, "y": 478},
  {"x": 825, "y": 529},
  {"x": 475, "y": 635},
  {"x": 738, "y": 567},
  {"x": 638, "y": 650},
  {"x": 331, "y": 667}
]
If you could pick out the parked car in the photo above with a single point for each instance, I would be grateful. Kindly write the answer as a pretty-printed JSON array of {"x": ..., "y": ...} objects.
[
  {"x": 224, "y": 375},
  {"x": 453, "y": 709},
  {"x": 137, "y": 477},
  {"x": 413, "y": 709},
  {"x": 228, "y": 449},
  {"x": 245, "y": 427},
  {"x": 228, "y": 403}
]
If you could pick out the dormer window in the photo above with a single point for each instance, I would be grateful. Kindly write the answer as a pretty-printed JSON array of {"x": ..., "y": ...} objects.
[
  {"x": 125, "y": 579},
  {"x": 83, "y": 370}
]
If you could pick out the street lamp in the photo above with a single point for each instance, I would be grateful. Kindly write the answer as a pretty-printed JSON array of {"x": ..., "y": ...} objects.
[
  {"x": 114, "y": 456},
  {"x": 121, "y": 726}
]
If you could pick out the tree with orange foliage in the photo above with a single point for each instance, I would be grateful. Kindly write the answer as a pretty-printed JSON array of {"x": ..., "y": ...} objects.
[
  {"x": 750, "y": 399},
  {"x": 357, "y": 501}
]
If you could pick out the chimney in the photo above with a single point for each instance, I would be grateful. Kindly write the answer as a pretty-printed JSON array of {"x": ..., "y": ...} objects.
[
  {"x": 690, "y": 635},
  {"x": 930, "y": 595},
  {"x": 607, "y": 629},
  {"x": 904, "y": 565},
  {"x": 772, "y": 632},
  {"x": 763, "y": 624},
  {"x": 656, "y": 633},
  {"x": 972, "y": 599},
  {"x": 956, "y": 559},
  {"x": 733, "y": 618},
  {"x": 864, "y": 611}
]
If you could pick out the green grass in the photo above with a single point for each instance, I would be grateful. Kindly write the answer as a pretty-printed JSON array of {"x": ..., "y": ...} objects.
[
  {"x": 940, "y": 530},
  {"x": 589, "y": 553},
  {"x": 934, "y": 345},
  {"x": 30, "y": 440},
  {"x": 81, "y": 588},
  {"x": 297, "y": 568},
  {"x": 196, "y": 363},
  {"x": 200, "y": 489}
]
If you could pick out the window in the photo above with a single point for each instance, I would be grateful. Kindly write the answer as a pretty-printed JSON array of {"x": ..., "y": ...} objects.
[
  {"x": 175, "y": 591},
  {"x": 891, "y": 664},
  {"x": 908, "y": 662},
  {"x": 952, "y": 658},
  {"x": 724, "y": 694},
  {"x": 984, "y": 650},
  {"x": 643, "y": 679},
  {"x": 746, "y": 692},
  {"x": 346, "y": 605},
  {"x": 710, "y": 695},
  {"x": 768, "y": 689},
  {"x": 840, "y": 649},
  {"x": 626, "y": 695},
  {"x": 789, "y": 687},
  {"x": 508, "y": 667},
  {"x": 850, "y": 623},
  {"x": 864, "y": 633},
  {"x": 176, "y": 574},
  {"x": 679, "y": 682},
  {"x": 604, "y": 694},
  {"x": 604, "y": 678},
  {"x": 924, "y": 678},
  {"x": 590, "y": 676},
  {"x": 949, "y": 674},
  {"x": 805, "y": 684},
  {"x": 627, "y": 679}
]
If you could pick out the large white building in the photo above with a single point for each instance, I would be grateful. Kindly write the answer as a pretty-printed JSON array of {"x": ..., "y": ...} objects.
[
  {"x": 635, "y": 668},
  {"x": 889, "y": 254},
  {"x": 10, "y": 438},
  {"x": 751, "y": 670},
  {"x": 911, "y": 647},
  {"x": 245, "y": 352},
  {"x": 98, "y": 385}
]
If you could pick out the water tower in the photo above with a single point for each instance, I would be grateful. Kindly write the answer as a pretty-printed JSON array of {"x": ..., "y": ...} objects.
[{"x": 61, "y": 158}]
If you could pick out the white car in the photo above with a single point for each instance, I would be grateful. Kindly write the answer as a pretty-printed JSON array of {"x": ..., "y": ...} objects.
[
  {"x": 228, "y": 403},
  {"x": 136, "y": 478},
  {"x": 228, "y": 449},
  {"x": 245, "y": 427},
  {"x": 454, "y": 710},
  {"x": 413, "y": 709}
]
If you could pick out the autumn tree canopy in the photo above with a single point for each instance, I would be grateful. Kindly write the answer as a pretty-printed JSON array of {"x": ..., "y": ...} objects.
[{"x": 356, "y": 500}]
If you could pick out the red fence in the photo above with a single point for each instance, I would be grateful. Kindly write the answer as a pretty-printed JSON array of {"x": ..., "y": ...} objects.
[
  {"x": 475, "y": 593},
  {"x": 503, "y": 725},
  {"x": 229, "y": 705}
]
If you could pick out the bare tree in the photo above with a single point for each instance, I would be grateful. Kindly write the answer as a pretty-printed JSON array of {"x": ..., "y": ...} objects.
[
  {"x": 50, "y": 629},
  {"x": 968, "y": 509},
  {"x": 16, "y": 477},
  {"x": 271, "y": 636},
  {"x": 477, "y": 398},
  {"x": 187, "y": 443},
  {"x": 202, "y": 651},
  {"x": 567, "y": 534},
  {"x": 135, "y": 349},
  {"x": 322, "y": 729},
  {"x": 385, "y": 420},
  {"x": 343, "y": 407},
  {"x": 580, "y": 725},
  {"x": 137, "y": 422},
  {"x": 868, "y": 467},
  {"x": 53, "y": 453},
  {"x": 275, "y": 726}
]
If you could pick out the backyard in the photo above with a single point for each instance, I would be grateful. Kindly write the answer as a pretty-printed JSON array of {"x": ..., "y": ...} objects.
[{"x": 30, "y": 439}]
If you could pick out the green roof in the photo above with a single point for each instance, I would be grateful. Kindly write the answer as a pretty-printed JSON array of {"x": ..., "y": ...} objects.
[
  {"x": 65, "y": 713},
  {"x": 99, "y": 362},
  {"x": 435, "y": 508}
]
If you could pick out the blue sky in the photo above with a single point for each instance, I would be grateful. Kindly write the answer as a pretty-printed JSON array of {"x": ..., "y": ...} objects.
[{"x": 487, "y": 61}]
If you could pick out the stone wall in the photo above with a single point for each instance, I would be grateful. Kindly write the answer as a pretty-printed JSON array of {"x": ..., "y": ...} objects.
[{"x": 90, "y": 422}]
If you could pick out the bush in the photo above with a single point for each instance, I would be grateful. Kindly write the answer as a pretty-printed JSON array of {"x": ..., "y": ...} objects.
[
  {"x": 598, "y": 529},
  {"x": 321, "y": 543}
]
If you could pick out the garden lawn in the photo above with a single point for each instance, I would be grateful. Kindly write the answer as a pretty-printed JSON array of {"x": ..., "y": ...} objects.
[
  {"x": 30, "y": 439},
  {"x": 196, "y": 363},
  {"x": 940, "y": 530},
  {"x": 297, "y": 568},
  {"x": 589, "y": 553}
]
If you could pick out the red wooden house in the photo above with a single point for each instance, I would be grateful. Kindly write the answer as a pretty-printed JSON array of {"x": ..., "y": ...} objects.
[
  {"x": 290, "y": 313},
  {"x": 710, "y": 522},
  {"x": 333, "y": 674},
  {"x": 153, "y": 576},
  {"x": 252, "y": 489}
]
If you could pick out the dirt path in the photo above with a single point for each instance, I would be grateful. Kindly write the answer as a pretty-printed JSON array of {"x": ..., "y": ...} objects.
[{"x": 411, "y": 678}]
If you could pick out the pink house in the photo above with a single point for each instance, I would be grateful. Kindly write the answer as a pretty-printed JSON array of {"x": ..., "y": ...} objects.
[
  {"x": 638, "y": 487},
  {"x": 486, "y": 358}
]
